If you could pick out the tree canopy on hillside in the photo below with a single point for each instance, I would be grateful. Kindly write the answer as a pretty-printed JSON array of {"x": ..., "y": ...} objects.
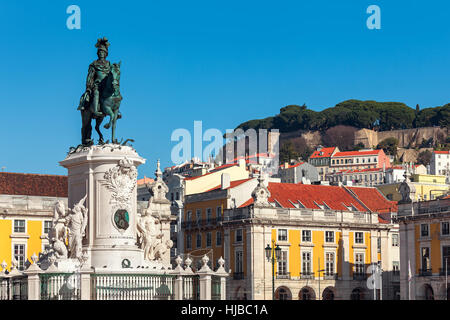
[{"x": 356, "y": 113}]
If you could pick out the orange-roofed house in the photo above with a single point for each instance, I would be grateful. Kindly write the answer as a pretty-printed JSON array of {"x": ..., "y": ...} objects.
[
  {"x": 362, "y": 159},
  {"x": 321, "y": 159}
]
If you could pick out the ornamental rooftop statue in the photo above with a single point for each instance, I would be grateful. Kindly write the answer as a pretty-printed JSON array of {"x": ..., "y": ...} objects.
[{"x": 102, "y": 96}]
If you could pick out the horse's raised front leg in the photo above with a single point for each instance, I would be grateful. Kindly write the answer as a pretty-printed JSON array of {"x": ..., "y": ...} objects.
[
  {"x": 98, "y": 122},
  {"x": 110, "y": 113},
  {"x": 114, "y": 126}
]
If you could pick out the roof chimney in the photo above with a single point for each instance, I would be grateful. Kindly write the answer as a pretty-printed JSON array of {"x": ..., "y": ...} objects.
[{"x": 225, "y": 181}]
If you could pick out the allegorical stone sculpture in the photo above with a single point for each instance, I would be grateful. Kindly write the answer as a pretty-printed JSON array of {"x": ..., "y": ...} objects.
[
  {"x": 76, "y": 223},
  {"x": 150, "y": 225},
  {"x": 150, "y": 234},
  {"x": 58, "y": 234},
  {"x": 102, "y": 96}
]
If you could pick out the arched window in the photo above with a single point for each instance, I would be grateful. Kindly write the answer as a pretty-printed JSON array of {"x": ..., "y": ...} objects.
[
  {"x": 283, "y": 293},
  {"x": 357, "y": 294},
  {"x": 307, "y": 293},
  {"x": 328, "y": 294},
  {"x": 429, "y": 295}
]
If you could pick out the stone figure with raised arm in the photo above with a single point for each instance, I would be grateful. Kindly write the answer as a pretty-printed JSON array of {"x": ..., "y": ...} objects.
[{"x": 76, "y": 222}]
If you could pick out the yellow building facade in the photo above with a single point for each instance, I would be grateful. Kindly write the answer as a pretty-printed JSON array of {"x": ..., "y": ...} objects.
[
  {"x": 26, "y": 211},
  {"x": 24, "y": 227},
  {"x": 425, "y": 250}
]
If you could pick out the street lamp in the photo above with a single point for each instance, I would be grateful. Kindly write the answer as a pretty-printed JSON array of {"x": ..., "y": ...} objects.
[{"x": 272, "y": 254}]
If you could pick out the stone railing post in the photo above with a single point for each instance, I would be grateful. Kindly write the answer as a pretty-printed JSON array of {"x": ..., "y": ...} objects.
[
  {"x": 220, "y": 272},
  {"x": 178, "y": 286},
  {"x": 34, "y": 284},
  {"x": 85, "y": 284},
  {"x": 205, "y": 274},
  {"x": 4, "y": 282},
  {"x": 85, "y": 277}
]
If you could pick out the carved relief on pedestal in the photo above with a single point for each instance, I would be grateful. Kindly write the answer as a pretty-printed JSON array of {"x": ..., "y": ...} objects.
[{"x": 121, "y": 181}]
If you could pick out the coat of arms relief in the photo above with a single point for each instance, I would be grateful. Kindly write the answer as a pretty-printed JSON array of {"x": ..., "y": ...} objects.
[{"x": 121, "y": 181}]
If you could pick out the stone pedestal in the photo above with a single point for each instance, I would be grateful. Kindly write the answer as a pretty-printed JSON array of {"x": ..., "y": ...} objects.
[{"x": 107, "y": 174}]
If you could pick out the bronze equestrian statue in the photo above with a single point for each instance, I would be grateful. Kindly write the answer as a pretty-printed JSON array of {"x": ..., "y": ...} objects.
[{"x": 102, "y": 96}]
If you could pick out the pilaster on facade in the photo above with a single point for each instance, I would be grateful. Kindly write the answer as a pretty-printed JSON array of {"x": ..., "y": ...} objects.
[{"x": 345, "y": 255}]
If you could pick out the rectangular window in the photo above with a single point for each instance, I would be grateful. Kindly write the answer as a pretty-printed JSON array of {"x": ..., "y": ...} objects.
[
  {"x": 445, "y": 229},
  {"x": 219, "y": 213},
  {"x": 424, "y": 230},
  {"x": 198, "y": 214},
  {"x": 306, "y": 235},
  {"x": 19, "y": 255},
  {"x": 359, "y": 263},
  {"x": 329, "y": 264},
  {"x": 208, "y": 215},
  {"x": 19, "y": 226},
  {"x": 239, "y": 235},
  {"x": 47, "y": 227},
  {"x": 239, "y": 262},
  {"x": 199, "y": 240},
  {"x": 395, "y": 239},
  {"x": 282, "y": 263},
  {"x": 396, "y": 267},
  {"x": 282, "y": 235},
  {"x": 209, "y": 239},
  {"x": 218, "y": 238},
  {"x": 189, "y": 216},
  {"x": 329, "y": 236},
  {"x": 446, "y": 259},
  {"x": 188, "y": 242},
  {"x": 306, "y": 263},
  {"x": 426, "y": 264},
  {"x": 359, "y": 237}
]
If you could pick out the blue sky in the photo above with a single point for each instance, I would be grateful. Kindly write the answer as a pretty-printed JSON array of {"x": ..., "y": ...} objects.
[{"x": 221, "y": 62}]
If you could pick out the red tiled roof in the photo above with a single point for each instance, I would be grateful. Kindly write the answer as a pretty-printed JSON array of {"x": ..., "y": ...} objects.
[
  {"x": 356, "y": 153},
  {"x": 374, "y": 199},
  {"x": 28, "y": 184},
  {"x": 232, "y": 184},
  {"x": 247, "y": 203},
  {"x": 323, "y": 153},
  {"x": 336, "y": 198}
]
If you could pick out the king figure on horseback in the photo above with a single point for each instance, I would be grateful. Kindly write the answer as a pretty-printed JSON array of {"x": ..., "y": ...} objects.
[{"x": 102, "y": 96}]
